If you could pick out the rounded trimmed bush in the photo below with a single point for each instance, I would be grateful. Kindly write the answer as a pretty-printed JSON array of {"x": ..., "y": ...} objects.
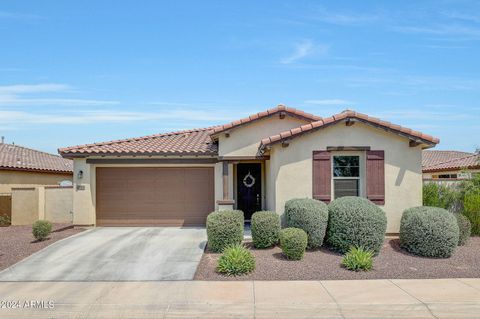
[
  {"x": 355, "y": 221},
  {"x": 236, "y": 260},
  {"x": 429, "y": 231},
  {"x": 465, "y": 229},
  {"x": 265, "y": 227},
  {"x": 224, "y": 228},
  {"x": 293, "y": 242},
  {"x": 41, "y": 229},
  {"x": 310, "y": 215}
]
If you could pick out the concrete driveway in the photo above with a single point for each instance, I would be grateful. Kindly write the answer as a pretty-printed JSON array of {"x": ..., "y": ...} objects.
[{"x": 116, "y": 254}]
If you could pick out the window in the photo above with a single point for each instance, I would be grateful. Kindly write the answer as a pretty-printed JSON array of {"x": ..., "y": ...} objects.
[
  {"x": 346, "y": 176},
  {"x": 445, "y": 176}
]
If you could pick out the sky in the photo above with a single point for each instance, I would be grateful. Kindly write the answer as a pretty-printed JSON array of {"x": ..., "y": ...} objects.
[{"x": 77, "y": 72}]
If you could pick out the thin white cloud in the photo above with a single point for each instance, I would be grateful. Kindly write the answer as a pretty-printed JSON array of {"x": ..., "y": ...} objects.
[
  {"x": 442, "y": 30},
  {"x": 8, "y": 117},
  {"x": 462, "y": 16},
  {"x": 17, "y": 15},
  {"x": 346, "y": 19},
  {"x": 304, "y": 49},
  {"x": 329, "y": 102},
  {"x": 14, "y": 95},
  {"x": 33, "y": 88}
]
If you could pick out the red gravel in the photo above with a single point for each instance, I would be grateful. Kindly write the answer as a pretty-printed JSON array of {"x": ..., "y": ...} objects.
[
  {"x": 392, "y": 262},
  {"x": 17, "y": 242}
]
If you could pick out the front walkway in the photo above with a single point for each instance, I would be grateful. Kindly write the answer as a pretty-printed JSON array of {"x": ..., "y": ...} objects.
[{"x": 435, "y": 298}]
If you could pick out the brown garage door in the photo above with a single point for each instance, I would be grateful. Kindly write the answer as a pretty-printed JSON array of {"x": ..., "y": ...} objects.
[{"x": 141, "y": 196}]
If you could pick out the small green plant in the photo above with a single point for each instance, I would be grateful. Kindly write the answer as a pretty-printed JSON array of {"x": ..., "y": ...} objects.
[
  {"x": 236, "y": 260},
  {"x": 265, "y": 229},
  {"x": 471, "y": 206},
  {"x": 5, "y": 220},
  {"x": 358, "y": 259},
  {"x": 440, "y": 195},
  {"x": 224, "y": 228},
  {"x": 465, "y": 228},
  {"x": 41, "y": 229},
  {"x": 293, "y": 242}
]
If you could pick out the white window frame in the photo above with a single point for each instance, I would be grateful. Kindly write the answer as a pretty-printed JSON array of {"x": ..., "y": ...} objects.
[{"x": 361, "y": 177}]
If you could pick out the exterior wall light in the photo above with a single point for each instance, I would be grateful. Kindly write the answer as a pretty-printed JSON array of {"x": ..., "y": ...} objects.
[{"x": 80, "y": 174}]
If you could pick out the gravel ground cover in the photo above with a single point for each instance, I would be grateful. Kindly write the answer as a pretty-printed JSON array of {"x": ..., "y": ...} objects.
[
  {"x": 322, "y": 264},
  {"x": 17, "y": 242}
]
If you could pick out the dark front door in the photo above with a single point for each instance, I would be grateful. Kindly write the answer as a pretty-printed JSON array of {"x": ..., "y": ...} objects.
[{"x": 249, "y": 188}]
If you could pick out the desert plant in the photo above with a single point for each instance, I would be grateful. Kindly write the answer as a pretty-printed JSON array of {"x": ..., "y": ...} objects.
[
  {"x": 471, "y": 206},
  {"x": 429, "y": 231},
  {"x": 440, "y": 195},
  {"x": 355, "y": 221},
  {"x": 224, "y": 228},
  {"x": 357, "y": 259},
  {"x": 41, "y": 229},
  {"x": 310, "y": 215},
  {"x": 4, "y": 220},
  {"x": 236, "y": 260},
  {"x": 293, "y": 242},
  {"x": 465, "y": 228},
  {"x": 265, "y": 229}
]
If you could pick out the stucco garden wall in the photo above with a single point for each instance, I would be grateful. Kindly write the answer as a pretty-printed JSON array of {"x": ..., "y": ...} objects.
[
  {"x": 52, "y": 203},
  {"x": 291, "y": 167}
]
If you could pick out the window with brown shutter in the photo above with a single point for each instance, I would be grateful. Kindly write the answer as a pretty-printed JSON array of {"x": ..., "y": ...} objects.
[
  {"x": 322, "y": 176},
  {"x": 376, "y": 177}
]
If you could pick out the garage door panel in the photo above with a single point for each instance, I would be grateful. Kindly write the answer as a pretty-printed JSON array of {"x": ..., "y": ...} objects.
[{"x": 138, "y": 196}]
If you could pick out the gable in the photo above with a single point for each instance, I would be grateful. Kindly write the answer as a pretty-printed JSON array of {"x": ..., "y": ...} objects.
[{"x": 245, "y": 140}]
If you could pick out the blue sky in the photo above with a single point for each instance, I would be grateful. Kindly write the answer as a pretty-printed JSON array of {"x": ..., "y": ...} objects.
[{"x": 75, "y": 72}]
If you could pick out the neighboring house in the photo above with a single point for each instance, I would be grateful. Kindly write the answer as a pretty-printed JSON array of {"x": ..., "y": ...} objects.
[
  {"x": 255, "y": 163},
  {"x": 449, "y": 165},
  {"x": 21, "y": 166}
]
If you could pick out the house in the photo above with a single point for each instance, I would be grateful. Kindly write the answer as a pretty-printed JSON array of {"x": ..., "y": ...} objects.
[
  {"x": 449, "y": 165},
  {"x": 21, "y": 166},
  {"x": 251, "y": 164}
]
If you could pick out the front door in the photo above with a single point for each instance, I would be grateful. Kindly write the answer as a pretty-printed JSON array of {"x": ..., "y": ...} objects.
[{"x": 249, "y": 188}]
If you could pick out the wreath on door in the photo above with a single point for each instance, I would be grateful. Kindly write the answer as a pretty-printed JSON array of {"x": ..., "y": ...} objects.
[{"x": 249, "y": 180}]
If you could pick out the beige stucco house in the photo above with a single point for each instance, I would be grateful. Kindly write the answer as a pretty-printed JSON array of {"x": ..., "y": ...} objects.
[
  {"x": 251, "y": 164},
  {"x": 449, "y": 166},
  {"x": 21, "y": 166}
]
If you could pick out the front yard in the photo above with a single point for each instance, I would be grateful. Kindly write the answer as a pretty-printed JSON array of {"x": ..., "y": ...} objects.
[
  {"x": 323, "y": 264},
  {"x": 17, "y": 242}
]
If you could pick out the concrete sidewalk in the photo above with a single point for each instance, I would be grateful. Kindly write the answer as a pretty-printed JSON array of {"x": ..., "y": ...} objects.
[{"x": 436, "y": 298}]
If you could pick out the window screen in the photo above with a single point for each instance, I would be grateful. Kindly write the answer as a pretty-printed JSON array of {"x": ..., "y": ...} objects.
[{"x": 346, "y": 176}]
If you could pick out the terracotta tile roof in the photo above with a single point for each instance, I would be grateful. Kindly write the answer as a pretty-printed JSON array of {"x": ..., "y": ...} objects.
[
  {"x": 344, "y": 116},
  {"x": 437, "y": 161},
  {"x": 16, "y": 157},
  {"x": 433, "y": 157},
  {"x": 188, "y": 142},
  {"x": 280, "y": 108}
]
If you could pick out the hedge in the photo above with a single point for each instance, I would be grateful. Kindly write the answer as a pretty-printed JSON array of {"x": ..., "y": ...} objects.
[
  {"x": 465, "y": 228},
  {"x": 310, "y": 215},
  {"x": 293, "y": 242},
  {"x": 355, "y": 221}
]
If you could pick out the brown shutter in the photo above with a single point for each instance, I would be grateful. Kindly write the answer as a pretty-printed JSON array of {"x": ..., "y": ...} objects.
[
  {"x": 322, "y": 176},
  {"x": 376, "y": 177}
]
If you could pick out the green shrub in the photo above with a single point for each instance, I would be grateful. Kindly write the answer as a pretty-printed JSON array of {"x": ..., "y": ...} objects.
[
  {"x": 357, "y": 259},
  {"x": 429, "y": 232},
  {"x": 265, "y": 229},
  {"x": 471, "y": 206},
  {"x": 440, "y": 195},
  {"x": 465, "y": 228},
  {"x": 4, "y": 220},
  {"x": 355, "y": 221},
  {"x": 293, "y": 242},
  {"x": 310, "y": 215},
  {"x": 41, "y": 229},
  {"x": 224, "y": 228},
  {"x": 236, "y": 260}
]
